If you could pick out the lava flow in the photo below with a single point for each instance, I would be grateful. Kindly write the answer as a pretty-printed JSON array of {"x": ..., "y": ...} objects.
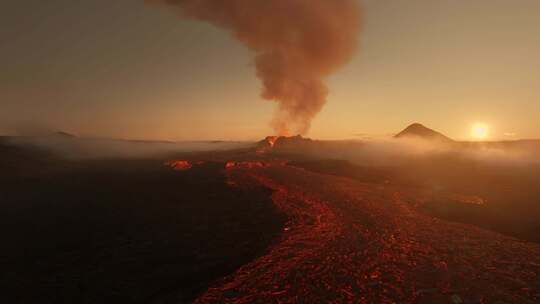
[
  {"x": 179, "y": 165},
  {"x": 182, "y": 165},
  {"x": 352, "y": 242}
]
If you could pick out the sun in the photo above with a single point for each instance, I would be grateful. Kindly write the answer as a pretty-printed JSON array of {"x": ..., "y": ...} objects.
[{"x": 480, "y": 131}]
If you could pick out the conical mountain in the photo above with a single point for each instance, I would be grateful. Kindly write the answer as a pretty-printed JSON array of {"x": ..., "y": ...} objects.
[{"x": 420, "y": 131}]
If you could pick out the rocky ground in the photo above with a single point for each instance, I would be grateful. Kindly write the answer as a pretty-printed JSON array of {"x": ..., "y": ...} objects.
[
  {"x": 353, "y": 242},
  {"x": 123, "y": 230},
  {"x": 256, "y": 227}
]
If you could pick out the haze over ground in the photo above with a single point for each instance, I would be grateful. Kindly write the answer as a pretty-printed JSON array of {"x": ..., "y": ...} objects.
[{"x": 125, "y": 69}]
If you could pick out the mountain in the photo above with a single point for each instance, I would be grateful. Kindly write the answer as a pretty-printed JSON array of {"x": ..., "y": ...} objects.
[{"x": 420, "y": 131}]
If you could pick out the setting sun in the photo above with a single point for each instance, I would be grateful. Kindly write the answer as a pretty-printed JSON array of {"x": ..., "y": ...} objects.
[{"x": 479, "y": 131}]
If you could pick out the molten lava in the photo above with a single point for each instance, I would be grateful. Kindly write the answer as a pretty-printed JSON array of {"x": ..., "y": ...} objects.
[
  {"x": 266, "y": 144},
  {"x": 179, "y": 165},
  {"x": 272, "y": 140},
  {"x": 351, "y": 242}
]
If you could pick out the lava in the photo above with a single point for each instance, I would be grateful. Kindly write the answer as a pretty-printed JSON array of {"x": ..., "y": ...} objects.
[
  {"x": 179, "y": 165},
  {"x": 182, "y": 165},
  {"x": 353, "y": 242},
  {"x": 272, "y": 140},
  {"x": 266, "y": 144}
]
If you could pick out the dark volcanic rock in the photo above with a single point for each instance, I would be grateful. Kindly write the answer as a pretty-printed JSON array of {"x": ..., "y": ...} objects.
[{"x": 291, "y": 142}]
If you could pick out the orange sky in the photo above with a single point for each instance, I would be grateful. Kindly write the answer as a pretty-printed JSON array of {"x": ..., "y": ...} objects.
[{"x": 123, "y": 69}]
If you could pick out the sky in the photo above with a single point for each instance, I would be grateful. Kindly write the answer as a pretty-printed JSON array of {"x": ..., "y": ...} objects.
[{"x": 126, "y": 69}]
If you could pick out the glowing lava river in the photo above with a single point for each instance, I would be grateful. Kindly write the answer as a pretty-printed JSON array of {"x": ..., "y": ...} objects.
[{"x": 352, "y": 242}]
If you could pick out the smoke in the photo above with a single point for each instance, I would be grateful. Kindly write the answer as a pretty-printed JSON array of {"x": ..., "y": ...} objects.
[{"x": 297, "y": 43}]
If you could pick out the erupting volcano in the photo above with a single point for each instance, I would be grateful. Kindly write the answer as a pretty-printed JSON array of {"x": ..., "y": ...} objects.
[
  {"x": 283, "y": 143},
  {"x": 169, "y": 194}
]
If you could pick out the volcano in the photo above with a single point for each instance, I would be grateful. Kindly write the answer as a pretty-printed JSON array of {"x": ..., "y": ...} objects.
[
  {"x": 417, "y": 130},
  {"x": 283, "y": 143}
]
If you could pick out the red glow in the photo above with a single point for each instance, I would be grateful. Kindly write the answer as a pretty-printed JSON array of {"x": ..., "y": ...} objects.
[
  {"x": 352, "y": 242},
  {"x": 179, "y": 165},
  {"x": 272, "y": 140}
]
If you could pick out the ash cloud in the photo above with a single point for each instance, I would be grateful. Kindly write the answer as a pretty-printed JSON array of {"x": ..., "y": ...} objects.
[{"x": 297, "y": 44}]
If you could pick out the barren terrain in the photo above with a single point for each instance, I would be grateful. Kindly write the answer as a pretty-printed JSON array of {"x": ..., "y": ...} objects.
[
  {"x": 258, "y": 226},
  {"x": 348, "y": 241}
]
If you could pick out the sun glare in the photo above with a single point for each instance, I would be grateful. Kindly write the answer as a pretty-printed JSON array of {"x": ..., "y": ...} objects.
[{"x": 480, "y": 131}]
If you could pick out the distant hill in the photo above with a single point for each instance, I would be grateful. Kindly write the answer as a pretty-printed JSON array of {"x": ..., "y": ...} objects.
[
  {"x": 63, "y": 134},
  {"x": 420, "y": 131}
]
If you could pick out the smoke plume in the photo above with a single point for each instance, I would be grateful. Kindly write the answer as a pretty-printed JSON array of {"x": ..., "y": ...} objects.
[{"x": 297, "y": 43}]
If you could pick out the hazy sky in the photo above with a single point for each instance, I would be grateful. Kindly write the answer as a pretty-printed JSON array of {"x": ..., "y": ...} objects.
[{"x": 125, "y": 69}]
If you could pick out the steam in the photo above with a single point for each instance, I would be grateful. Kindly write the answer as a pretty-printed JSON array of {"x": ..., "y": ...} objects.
[
  {"x": 410, "y": 151},
  {"x": 75, "y": 148},
  {"x": 297, "y": 43}
]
